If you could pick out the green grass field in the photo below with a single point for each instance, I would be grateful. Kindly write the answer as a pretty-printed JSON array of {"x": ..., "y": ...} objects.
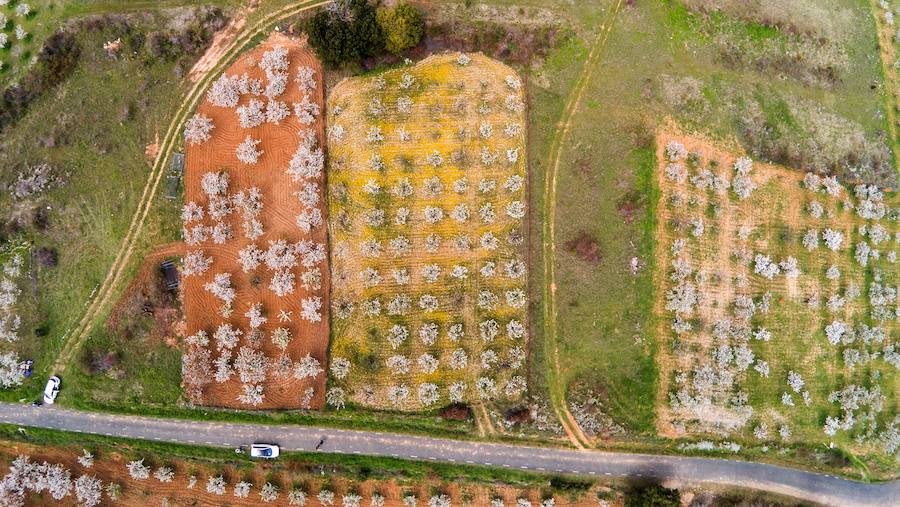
[
  {"x": 95, "y": 137},
  {"x": 660, "y": 62}
]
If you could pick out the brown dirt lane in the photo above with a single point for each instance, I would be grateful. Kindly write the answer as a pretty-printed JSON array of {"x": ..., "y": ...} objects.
[{"x": 280, "y": 206}]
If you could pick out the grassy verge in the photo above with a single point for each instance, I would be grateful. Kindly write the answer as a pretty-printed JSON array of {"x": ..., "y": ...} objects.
[{"x": 428, "y": 423}]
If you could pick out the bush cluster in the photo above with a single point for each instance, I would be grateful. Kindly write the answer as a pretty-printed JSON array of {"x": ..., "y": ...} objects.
[
  {"x": 348, "y": 31},
  {"x": 55, "y": 62}
]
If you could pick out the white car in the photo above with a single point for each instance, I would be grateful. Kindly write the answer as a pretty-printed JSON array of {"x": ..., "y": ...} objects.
[
  {"x": 51, "y": 390},
  {"x": 266, "y": 451}
]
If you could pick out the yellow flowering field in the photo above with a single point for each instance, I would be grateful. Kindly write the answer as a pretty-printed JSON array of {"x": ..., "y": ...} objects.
[{"x": 427, "y": 191}]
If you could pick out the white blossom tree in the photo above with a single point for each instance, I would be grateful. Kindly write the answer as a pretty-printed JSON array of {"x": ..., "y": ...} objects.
[
  {"x": 325, "y": 496},
  {"x": 340, "y": 367},
  {"x": 306, "y": 79},
  {"x": 216, "y": 485},
  {"x": 307, "y": 162},
  {"x": 164, "y": 474},
  {"x": 11, "y": 375},
  {"x": 86, "y": 459},
  {"x": 306, "y": 110},
  {"x": 255, "y": 316},
  {"x": 138, "y": 470},
  {"x": 311, "y": 309},
  {"x": 225, "y": 91},
  {"x": 242, "y": 489},
  {"x": 833, "y": 239},
  {"x": 269, "y": 492},
  {"x": 221, "y": 288},
  {"x": 296, "y": 496},
  {"x": 250, "y": 257},
  {"x": 307, "y": 367},
  {"x": 195, "y": 263},
  {"x": 247, "y": 151},
  {"x": 215, "y": 183},
  {"x": 251, "y": 365},
  {"x": 198, "y": 129},
  {"x": 88, "y": 490},
  {"x": 252, "y": 114}
]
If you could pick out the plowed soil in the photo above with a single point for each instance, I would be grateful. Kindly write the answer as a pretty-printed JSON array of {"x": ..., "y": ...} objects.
[
  {"x": 111, "y": 467},
  {"x": 280, "y": 207}
]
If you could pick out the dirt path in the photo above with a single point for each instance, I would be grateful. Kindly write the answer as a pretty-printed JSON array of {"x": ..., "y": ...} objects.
[
  {"x": 557, "y": 389},
  {"x": 103, "y": 295},
  {"x": 482, "y": 421},
  {"x": 221, "y": 43}
]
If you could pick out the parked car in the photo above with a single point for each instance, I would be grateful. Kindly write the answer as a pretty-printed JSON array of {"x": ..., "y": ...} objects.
[
  {"x": 266, "y": 451},
  {"x": 171, "y": 273},
  {"x": 51, "y": 390}
]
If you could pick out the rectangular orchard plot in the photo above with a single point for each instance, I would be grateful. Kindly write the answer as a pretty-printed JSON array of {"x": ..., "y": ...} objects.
[
  {"x": 426, "y": 207},
  {"x": 777, "y": 298},
  {"x": 256, "y": 282}
]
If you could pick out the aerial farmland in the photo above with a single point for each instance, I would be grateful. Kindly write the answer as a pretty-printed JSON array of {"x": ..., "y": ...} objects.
[{"x": 407, "y": 252}]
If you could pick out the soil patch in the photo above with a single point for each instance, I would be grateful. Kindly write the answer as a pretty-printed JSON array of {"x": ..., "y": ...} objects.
[
  {"x": 281, "y": 206},
  {"x": 585, "y": 247},
  {"x": 147, "y": 296},
  {"x": 630, "y": 205},
  {"x": 457, "y": 413}
]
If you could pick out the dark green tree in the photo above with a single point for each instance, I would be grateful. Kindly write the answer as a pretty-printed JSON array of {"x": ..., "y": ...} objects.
[
  {"x": 653, "y": 495},
  {"x": 402, "y": 27},
  {"x": 346, "y": 31}
]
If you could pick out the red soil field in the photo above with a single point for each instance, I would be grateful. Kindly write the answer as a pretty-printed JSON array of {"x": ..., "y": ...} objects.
[
  {"x": 280, "y": 207},
  {"x": 111, "y": 467}
]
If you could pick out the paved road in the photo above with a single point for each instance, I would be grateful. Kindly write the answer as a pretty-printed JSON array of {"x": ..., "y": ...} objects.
[{"x": 809, "y": 486}]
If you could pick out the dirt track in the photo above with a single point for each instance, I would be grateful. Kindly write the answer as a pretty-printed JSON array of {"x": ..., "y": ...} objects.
[
  {"x": 557, "y": 386},
  {"x": 280, "y": 206}
]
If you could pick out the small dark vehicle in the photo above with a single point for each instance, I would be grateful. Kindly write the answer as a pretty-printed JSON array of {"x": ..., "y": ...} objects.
[{"x": 171, "y": 273}]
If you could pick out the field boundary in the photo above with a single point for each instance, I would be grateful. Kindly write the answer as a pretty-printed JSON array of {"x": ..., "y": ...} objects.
[{"x": 551, "y": 346}]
